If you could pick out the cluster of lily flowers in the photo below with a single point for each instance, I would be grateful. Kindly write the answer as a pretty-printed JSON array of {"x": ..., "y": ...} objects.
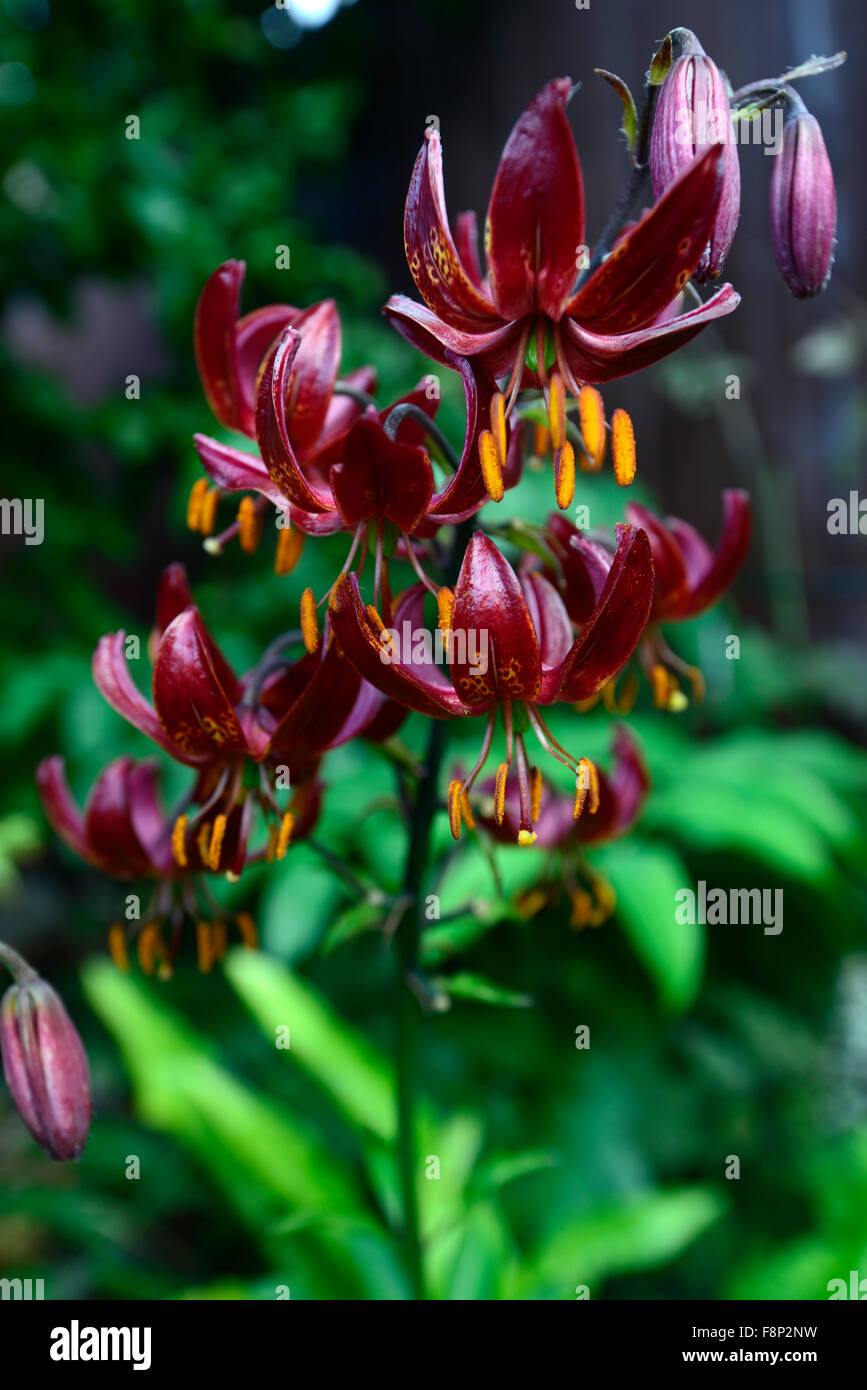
[{"x": 532, "y": 332}]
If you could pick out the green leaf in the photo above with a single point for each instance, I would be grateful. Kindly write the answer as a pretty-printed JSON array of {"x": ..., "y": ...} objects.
[
  {"x": 630, "y": 115},
  {"x": 647, "y": 878},
  {"x": 351, "y": 1070},
  {"x": 476, "y": 987}
]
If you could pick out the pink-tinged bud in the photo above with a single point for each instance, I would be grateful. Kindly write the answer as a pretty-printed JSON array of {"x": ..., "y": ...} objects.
[
  {"x": 692, "y": 113},
  {"x": 45, "y": 1067},
  {"x": 803, "y": 207}
]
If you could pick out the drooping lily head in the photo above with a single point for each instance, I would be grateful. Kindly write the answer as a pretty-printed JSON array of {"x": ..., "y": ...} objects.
[
  {"x": 530, "y": 319},
  {"x": 506, "y": 647}
]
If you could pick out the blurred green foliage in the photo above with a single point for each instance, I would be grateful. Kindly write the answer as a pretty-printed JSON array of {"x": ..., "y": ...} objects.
[{"x": 260, "y": 1167}]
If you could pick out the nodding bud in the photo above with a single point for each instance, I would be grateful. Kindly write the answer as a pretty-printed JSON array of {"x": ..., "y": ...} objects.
[
  {"x": 692, "y": 113},
  {"x": 803, "y": 207},
  {"x": 45, "y": 1067}
]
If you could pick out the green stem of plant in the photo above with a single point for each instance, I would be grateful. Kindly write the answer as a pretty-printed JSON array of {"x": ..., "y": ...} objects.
[{"x": 408, "y": 1011}]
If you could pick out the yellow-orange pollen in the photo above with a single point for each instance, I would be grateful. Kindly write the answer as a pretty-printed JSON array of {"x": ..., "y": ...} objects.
[
  {"x": 215, "y": 844},
  {"x": 492, "y": 471},
  {"x": 557, "y": 410},
  {"x": 500, "y": 792},
  {"x": 284, "y": 835},
  {"x": 591, "y": 416},
  {"x": 179, "y": 850},
  {"x": 564, "y": 476},
  {"x": 455, "y": 800},
  {"x": 499, "y": 429},
  {"x": 290, "y": 543},
  {"x": 622, "y": 447},
  {"x": 117, "y": 946},
  {"x": 249, "y": 526},
  {"x": 309, "y": 623}
]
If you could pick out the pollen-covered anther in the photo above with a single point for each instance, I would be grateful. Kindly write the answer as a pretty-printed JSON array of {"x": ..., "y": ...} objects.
[
  {"x": 309, "y": 622},
  {"x": 623, "y": 447},
  {"x": 587, "y": 772},
  {"x": 204, "y": 947},
  {"x": 203, "y": 840},
  {"x": 540, "y": 441},
  {"x": 535, "y": 793},
  {"x": 247, "y": 928},
  {"x": 526, "y": 838},
  {"x": 591, "y": 416},
  {"x": 445, "y": 609},
  {"x": 454, "y": 807},
  {"x": 662, "y": 685},
  {"x": 500, "y": 792},
  {"x": 218, "y": 930},
  {"x": 564, "y": 476},
  {"x": 492, "y": 472},
  {"x": 216, "y": 842},
  {"x": 117, "y": 948},
  {"x": 179, "y": 849},
  {"x": 208, "y": 518},
  {"x": 149, "y": 946},
  {"x": 195, "y": 503},
  {"x": 290, "y": 544},
  {"x": 467, "y": 812},
  {"x": 284, "y": 835},
  {"x": 499, "y": 429},
  {"x": 557, "y": 410},
  {"x": 249, "y": 526}
]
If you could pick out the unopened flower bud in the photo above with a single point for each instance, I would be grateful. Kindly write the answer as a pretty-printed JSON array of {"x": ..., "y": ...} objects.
[
  {"x": 45, "y": 1066},
  {"x": 803, "y": 207},
  {"x": 692, "y": 113}
]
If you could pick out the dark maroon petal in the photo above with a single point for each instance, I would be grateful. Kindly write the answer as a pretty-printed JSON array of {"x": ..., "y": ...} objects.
[
  {"x": 307, "y": 393},
  {"x": 378, "y": 477},
  {"x": 109, "y": 825},
  {"x": 495, "y": 351},
  {"x": 490, "y": 605},
  {"x": 611, "y": 634},
  {"x": 400, "y": 680},
  {"x": 655, "y": 259},
  {"x": 192, "y": 705},
  {"x": 622, "y": 792},
  {"x": 229, "y": 350},
  {"x": 536, "y": 212},
  {"x": 433, "y": 259},
  {"x": 467, "y": 242},
  {"x": 112, "y": 679},
  {"x": 599, "y": 357},
  {"x": 272, "y": 433},
  {"x": 64, "y": 816},
  {"x": 319, "y": 709},
  {"x": 343, "y": 411},
  {"x": 45, "y": 1067},
  {"x": 147, "y": 817},
  {"x": 584, "y": 566},
  {"x": 549, "y": 617},
  {"x": 236, "y": 471},
  {"x": 173, "y": 597},
  {"x": 466, "y": 491},
  {"x": 668, "y": 567},
  {"x": 731, "y": 551}
]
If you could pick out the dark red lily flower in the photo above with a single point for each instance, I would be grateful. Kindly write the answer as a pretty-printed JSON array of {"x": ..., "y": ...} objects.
[
  {"x": 203, "y": 715},
  {"x": 527, "y": 321},
  {"x": 689, "y": 579},
  {"x": 230, "y": 352},
  {"x": 622, "y": 794},
  {"x": 509, "y": 645},
  {"x": 125, "y": 832}
]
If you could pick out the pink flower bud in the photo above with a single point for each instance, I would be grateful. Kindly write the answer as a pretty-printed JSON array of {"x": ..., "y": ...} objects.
[
  {"x": 692, "y": 113},
  {"x": 803, "y": 207},
  {"x": 45, "y": 1067}
]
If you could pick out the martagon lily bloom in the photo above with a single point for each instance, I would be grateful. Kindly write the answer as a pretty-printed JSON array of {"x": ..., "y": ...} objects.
[
  {"x": 531, "y": 659},
  {"x": 690, "y": 578},
  {"x": 622, "y": 794},
  {"x": 126, "y": 834},
  {"x": 230, "y": 352},
  {"x": 281, "y": 716},
  {"x": 526, "y": 321}
]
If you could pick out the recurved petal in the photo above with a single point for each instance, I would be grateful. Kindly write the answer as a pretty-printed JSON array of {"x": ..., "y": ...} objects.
[
  {"x": 536, "y": 212},
  {"x": 272, "y": 433},
  {"x": 64, "y": 816},
  {"x": 173, "y": 597},
  {"x": 598, "y": 357},
  {"x": 611, "y": 634},
  {"x": 490, "y": 611},
  {"x": 584, "y": 565},
  {"x": 322, "y": 690},
  {"x": 549, "y": 617},
  {"x": 226, "y": 348},
  {"x": 111, "y": 832},
  {"x": 709, "y": 583},
  {"x": 422, "y": 689},
  {"x": 314, "y": 371},
  {"x": 653, "y": 261},
  {"x": 668, "y": 567},
  {"x": 495, "y": 350},
  {"x": 467, "y": 490},
  {"x": 622, "y": 792},
  {"x": 235, "y": 470},
  {"x": 114, "y": 682},
  {"x": 378, "y": 477},
  {"x": 192, "y": 704},
  {"x": 435, "y": 265}
]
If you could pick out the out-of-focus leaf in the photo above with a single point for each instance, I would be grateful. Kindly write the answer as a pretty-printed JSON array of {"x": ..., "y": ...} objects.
[{"x": 475, "y": 987}]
